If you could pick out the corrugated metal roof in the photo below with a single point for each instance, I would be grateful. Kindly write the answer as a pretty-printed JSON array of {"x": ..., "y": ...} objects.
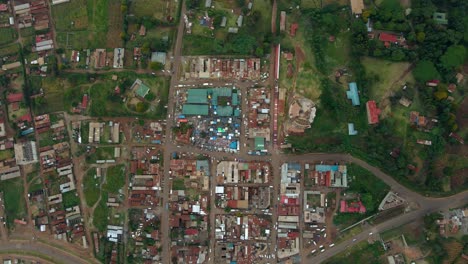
[
  {"x": 224, "y": 110},
  {"x": 235, "y": 99},
  {"x": 197, "y": 96},
  {"x": 191, "y": 109}
]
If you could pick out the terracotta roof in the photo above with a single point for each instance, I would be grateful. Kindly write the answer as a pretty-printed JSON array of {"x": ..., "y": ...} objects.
[
  {"x": 15, "y": 97},
  {"x": 388, "y": 37},
  {"x": 372, "y": 112},
  {"x": 294, "y": 27}
]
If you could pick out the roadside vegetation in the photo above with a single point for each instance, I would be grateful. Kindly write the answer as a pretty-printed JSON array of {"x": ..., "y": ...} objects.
[
  {"x": 381, "y": 73},
  {"x": 369, "y": 189}
]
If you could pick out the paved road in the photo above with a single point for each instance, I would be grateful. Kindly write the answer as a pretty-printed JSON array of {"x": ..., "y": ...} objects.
[
  {"x": 455, "y": 201},
  {"x": 169, "y": 146},
  {"x": 57, "y": 255}
]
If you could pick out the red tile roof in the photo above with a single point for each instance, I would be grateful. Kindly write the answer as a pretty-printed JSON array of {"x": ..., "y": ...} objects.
[
  {"x": 388, "y": 37},
  {"x": 191, "y": 231},
  {"x": 84, "y": 102},
  {"x": 294, "y": 28},
  {"x": 372, "y": 112},
  {"x": 15, "y": 97},
  {"x": 3, "y": 7},
  {"x": 26, "y": 117},
  {"x": 353, "y": 207}
]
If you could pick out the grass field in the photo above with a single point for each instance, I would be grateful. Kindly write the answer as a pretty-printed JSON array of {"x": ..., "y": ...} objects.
[
  {"x": 29, "y": 31},
  {"x": 101, "y": 213},
  {"x": 115, "y": 26},
  {"x": 8, "y": 35},
  {"x": 388, "y": 73},
  {"x": 71, "y": 16},
  {"x": 36, "y": 185},
  {"x": 70, "y": 199},
  {"x": 7, "y": 154},
  {"x": 158, "y": 9},
  {"x": 337, "y": 52},
  {"x": 13, "y": 199},
  {"x": 53, "y": 95},
  {"x": 11, "y": 49},
  {"x": 91, "y": 188},
  {"x": 101, "y": 153},
  {"x": 87, "y": 24},
  {"x": 178, "y": 184},
  {"x": 115, "y": 179},
  {"x": 360, "y": 253}
]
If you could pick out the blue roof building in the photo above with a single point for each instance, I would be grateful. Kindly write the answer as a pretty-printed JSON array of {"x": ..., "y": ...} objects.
[
  {"x": 353, "y": 94},
  {"x": 351, "y": 130}
]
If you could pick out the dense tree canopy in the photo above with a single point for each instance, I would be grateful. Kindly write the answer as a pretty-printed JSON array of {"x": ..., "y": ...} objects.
[{"x": 425, "y": 71}]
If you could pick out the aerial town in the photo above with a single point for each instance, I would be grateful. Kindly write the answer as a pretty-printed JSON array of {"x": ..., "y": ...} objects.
[{"x": 247, "y": 131}]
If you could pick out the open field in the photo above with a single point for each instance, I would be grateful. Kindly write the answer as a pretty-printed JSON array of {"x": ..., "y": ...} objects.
[
  {"x": 337, "y": 52},
  {"x": 100, "y": 153},
  {"x": 158, "y": 9},
  {"x": 7, "y": 154},
  {"x": 87, "y": 24},
  {"x": 70, "y": 199},
  {"x": 388, "y": 73},
  {"x": 8, "y": 35},
  {"x": 91, "y": 188},
  {"x": 71, "y": 16},
  {"x": 101, "y": 213},
  {"x": 115, "y": 27},
  {"x": 360, "y": 253},
  {"x": 53, "y": 99},
  {"x": 115, "y": 179},
  {"x": 14, "y": 199},
  {"x": 11, "y": 49}
]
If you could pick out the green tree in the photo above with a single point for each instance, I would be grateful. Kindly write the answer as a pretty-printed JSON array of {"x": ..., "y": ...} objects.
[
  {"x": 453, "y": 57},
  {"x": 420, "y": 37},
  {"x": 259, "y": 52},
  {"x": 141, "y": 107},
  {"x": 156, "y": 66},
  {"x": 425, "y": 71},
  {"x": 398, "y": 55}
]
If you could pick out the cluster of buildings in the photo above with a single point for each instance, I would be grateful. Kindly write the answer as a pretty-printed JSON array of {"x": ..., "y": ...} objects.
[
  {"x": 233, "y": 190},
  {"x": 221, "y": 68},
  {"x": 289, "y": 210},
  {"x": 100, "y": 132},
  {"x": 149, "y": 133},
  {"x": 259, "y": 118},
  {"x": 242, "y": 239},
  {"x": 189, "y": 203},
  {"x": 454, "y": 222},
  {"x": 144, "y": 235},
  {"x": 146, "y": 175},
  {"x": 209, "y": 118},
  {"x": 32, "y": 14},
  {"x": 103, "y": 58}
]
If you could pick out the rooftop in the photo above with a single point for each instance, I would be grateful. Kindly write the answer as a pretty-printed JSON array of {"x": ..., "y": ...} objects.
[
  {"x": 353, "y": 94},
  {"x": 372, "y": 112},
  {"x": 192, "y": 109}
]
